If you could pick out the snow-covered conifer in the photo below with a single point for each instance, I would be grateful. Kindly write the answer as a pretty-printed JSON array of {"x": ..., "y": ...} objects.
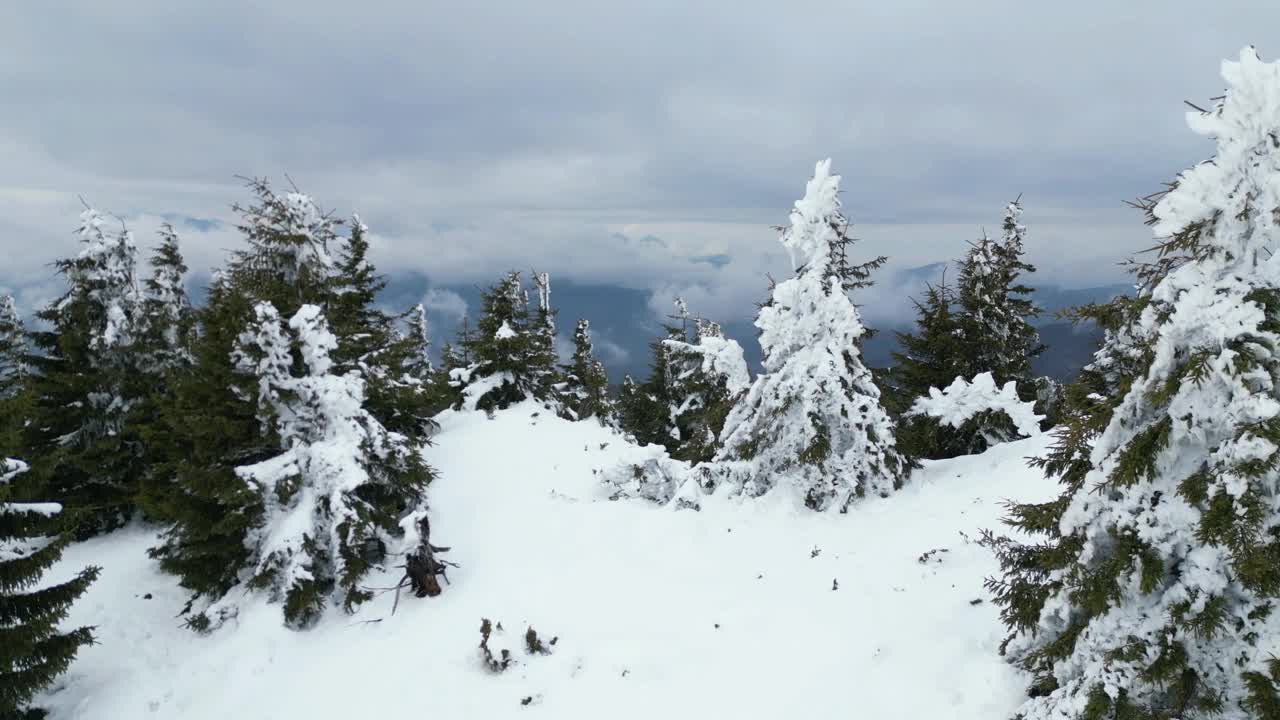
[
  {"x": 813, "y": 420},
  {"x": 704, "y": 379},
  {"x": 512, "y": 354},
  {"x": 13, "y": 347},
  {"x": 34, "y": 650},
  {"x": 334, "y": 495},
  {"x": 996, "y": 306},
  {"x": 419, "y": 364},
  {"x": 1153, "y": 592},
  {"x": 84, "y": 381},
  {"x": 166, "y": 312},
  {"x": 966, "y": 417},
  {"x": 585, "y": 391}
]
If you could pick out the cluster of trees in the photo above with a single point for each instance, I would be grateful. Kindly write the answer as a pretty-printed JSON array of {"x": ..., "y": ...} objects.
[{"x": 289, "y": 400}]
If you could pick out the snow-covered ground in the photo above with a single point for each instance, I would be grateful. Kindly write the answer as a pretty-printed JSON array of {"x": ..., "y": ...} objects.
[{"x": 728, "y": 612}]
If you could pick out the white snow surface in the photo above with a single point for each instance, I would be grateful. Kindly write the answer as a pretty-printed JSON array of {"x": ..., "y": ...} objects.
[
  {"x": 659, "y": 613},
  {"x": 962, "y": 399}
]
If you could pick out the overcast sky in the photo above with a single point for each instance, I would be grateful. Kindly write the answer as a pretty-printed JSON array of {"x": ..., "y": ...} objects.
[{"x": 649, "y": 144}]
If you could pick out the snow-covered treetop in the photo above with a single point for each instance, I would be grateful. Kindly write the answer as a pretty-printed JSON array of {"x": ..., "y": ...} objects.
[
  {"x": 1241, "y": 179},
  {"x": 9, "y": 316},
  {"x": 104, "y": 271},
  {"x": 962, "y": 400},
  {"x": 809, "y": 239},
  {"x": 314, "y": 338}
]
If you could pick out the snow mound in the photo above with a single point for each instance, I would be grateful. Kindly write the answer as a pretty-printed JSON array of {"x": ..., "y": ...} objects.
[{"x": 745, "y": 609}]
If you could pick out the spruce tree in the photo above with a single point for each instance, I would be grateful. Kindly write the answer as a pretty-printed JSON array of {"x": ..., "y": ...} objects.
[
  {"x": 218, "y": 423},
  {"x": 85, "y": 382},
  {"x": 511, "y": 353},
  {"x": 586, "y": 386},
  {"x": 335, "y": 493},
  {"x": 813, "y": 419},
  {"x": 996, "y": 306},
  {"x": 704, "y": 378},
  {"x": 13, "y": 348},
  {"x": 933, "y": 355},
  {"x": 34, "y": 651},
  {"x": 418, "y": 364},
  {"x": 1151, "y": 591},
  {"x": 644, "y": 409},
  {"x": 167, "y": 317}
]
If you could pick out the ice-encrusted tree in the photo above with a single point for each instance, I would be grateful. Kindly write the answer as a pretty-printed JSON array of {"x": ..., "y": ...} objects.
[
  {"x": 644, "y": 408},
  {"x": 34, "y": 649},
  {"x": 996, "y": 308},
  {"x": 585, "y": 391},
  {"x": 705, "y": 375},
  {"x": 1152, "y": 592},
  {"x": 813, "y": 420},
  {"x": 84, "y": 381},
  {"x": 966, "y": 418},
  {"x": 334, "y": 497}
]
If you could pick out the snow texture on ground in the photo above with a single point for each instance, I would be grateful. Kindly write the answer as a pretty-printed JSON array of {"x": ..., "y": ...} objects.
[{"x": 733, "y": 611}]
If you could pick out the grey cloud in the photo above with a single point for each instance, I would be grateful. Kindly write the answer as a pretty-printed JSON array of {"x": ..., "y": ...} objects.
[{"x": 479, "y": 137}]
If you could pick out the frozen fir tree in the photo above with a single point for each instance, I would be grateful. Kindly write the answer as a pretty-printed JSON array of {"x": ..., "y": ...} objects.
[
  {"x": 85, "y": 381},
  {"x": 167, "y": 320},
  {"x": 704, "y": 377},
  {"x": 932, "y": 355},
  {"x": 966, "y": 418},
  {"x": 34, "y": 648},
  {"x": 813, "y": 420},
  {"x": 996, "y": 307},
  {"x": 585, "y": 390},
  {"x": 335, "y": 494},
  {"x": 1152, "y": 591}
]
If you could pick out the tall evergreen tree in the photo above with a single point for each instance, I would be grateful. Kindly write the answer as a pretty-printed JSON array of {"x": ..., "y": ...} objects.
[
  {"x": 996, "y": 306},
  {"x": 813, "y": 419},
  {"x": 167, "y": 317},
  {"x": 586, "y": 386},
  {"x": 13, "y": 348},
  {"x": 512, "y": 354},
  {"x": 335, "y": 494},
  {"x": 85, "y": 383},
  {"x": 218, "y": 422},
  {"x": 644, "y": 409},
  {"x": 34, "y": 651},
  {"x": 418, "y": 364},
  {"x": 934, "y": 355},
  {"x": 1152, "y": 591}
]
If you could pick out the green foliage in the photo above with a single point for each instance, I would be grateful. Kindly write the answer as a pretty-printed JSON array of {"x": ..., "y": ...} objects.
[
  {"x": 512, "y": 344},
  {"x": 34, "y": 651}
]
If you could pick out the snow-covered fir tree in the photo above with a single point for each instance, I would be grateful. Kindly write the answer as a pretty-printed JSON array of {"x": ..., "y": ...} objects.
[
  {"x": 512, "y": 353},
  {"x": 542, "y": 362},
  {"x": 812, "y": 420},
  {"x": 704, "y": 377},
  {"x": 84, "y": 381},
  {"x": 419, "y": 364},
  {"x": 933, "y": 354},
  {"x": 167, "y": 319},
  {"x": 644, "y": 409},
  {"x": 335, "y": 494},
  {"x": 13, "y": 347},
  {"x": 214, "y": 516},
  {"x": 996, "y": 306},
  {"x": 1152, "y": 592},
  {"x": 585, "y": 390},
  {"x": 34, "y": 648}
]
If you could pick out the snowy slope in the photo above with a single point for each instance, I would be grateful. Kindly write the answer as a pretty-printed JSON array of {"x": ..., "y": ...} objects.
[{"x": 659, "y": 613}]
